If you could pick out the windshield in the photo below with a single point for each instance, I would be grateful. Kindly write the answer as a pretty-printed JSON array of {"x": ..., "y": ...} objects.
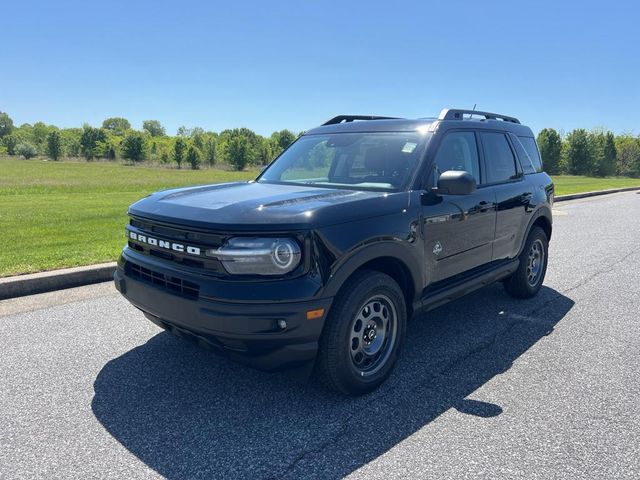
[{"x": 352, "y": 160}]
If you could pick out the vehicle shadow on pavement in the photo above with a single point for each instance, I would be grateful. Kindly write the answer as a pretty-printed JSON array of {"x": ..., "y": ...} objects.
[{"x": 188, "y": 413}]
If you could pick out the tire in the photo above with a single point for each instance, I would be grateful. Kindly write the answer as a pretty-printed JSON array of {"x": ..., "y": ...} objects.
[
  {"x": 363, "y": 334},
  {"x": 527, "y": 280}
]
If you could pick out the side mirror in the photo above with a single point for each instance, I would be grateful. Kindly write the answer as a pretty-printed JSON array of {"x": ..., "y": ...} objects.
[{"x": 454, "y": 182}]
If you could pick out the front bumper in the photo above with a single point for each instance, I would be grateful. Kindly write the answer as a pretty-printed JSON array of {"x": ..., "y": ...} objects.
[{"x": 249, "y": 331}]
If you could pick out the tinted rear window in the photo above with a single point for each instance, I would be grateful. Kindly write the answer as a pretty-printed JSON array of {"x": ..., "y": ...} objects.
[
  {"x": 529, "y": 144},
  {"x": 501, "y": 164}
]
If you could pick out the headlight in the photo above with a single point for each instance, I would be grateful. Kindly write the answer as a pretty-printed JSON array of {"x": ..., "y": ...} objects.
[{"x": 258, "y": 256}]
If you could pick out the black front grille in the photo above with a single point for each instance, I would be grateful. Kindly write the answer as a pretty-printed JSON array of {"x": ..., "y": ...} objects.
[
  {"x": 178, "y": 233},
  {"x": 164, "y": 235},
  {"x": 174, "y": 285}
]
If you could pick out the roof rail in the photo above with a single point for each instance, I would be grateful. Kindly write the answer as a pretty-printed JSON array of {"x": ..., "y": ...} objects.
[
  {"x": 457, "y": 114},
  {"x": 351, "y": 118}
]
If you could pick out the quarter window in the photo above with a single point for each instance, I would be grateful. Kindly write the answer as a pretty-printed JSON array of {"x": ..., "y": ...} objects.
[
  {"x": 459, "y": 151},
  {"x": 501, "y": 165},
  {"x": 523, "y": 155},
  {"x": 529, "y": 144}
]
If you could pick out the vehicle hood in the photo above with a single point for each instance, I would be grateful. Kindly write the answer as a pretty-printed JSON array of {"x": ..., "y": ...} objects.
[{"x": 263, "y": 206}]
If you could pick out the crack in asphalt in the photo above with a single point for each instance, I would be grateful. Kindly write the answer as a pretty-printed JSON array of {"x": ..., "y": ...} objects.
[{"x": 606, "y": 269}]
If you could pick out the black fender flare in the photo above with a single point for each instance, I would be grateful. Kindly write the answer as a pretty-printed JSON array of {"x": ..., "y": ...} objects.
[
  {"x": 543, "y": 211},
  {"x": 387, "y": 249}
]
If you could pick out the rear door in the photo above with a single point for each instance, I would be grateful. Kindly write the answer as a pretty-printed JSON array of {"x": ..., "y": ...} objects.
[
  {"x": 458, "y": 229},
  {"x": 513, "y": 195}
]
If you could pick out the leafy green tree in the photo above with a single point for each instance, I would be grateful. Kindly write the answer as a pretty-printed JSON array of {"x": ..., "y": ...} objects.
[
  {"x": 110, "y": 152},
  {"x": 117, "y": 125},
  {"x": 178, "y": 150},
  {"x": 183, "y": 132},
  {"x": 210, "y": 153},
  {"x": 134, "y": 147},
  {"x": 106, "y": 149},
  {"x": 577, "y": 157},
  {"x": 252, "y": 144},
  {"x": 71, "y": 141},
  {"x": 197, "y": 137},
  {"x": 164, "y": 157},
  {"x": 239, "y": 152},
  {"x": 54, "y": 145},
  {"x": 265, "y": 153},
  {"x": 628, "y": 155},
  {"x": 89, "y": 140},
  {"x": 193, "y": 157},
  {"x": 6, "y": 125},
  {"x": 11, "y": 142},
  {"x": 27, "y": 150},
  {"x": 153, "y": 128},
  {"x": 39, "y": 133},
  {"x": 283, "y": 139},
  {"x": 603, "y": 152},
  {"x": 550, "y": 145}
]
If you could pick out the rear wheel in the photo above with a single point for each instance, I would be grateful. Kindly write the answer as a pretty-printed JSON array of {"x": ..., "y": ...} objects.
[
  {"x": 363, "y": 334},
  {"x": 527, "y": 279}
]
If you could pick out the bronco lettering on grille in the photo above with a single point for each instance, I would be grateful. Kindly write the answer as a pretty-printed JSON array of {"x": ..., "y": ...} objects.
[{"x": 156, "y": 242}]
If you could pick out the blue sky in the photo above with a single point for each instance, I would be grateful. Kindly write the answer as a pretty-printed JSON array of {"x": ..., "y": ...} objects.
[{"x": 285, "y": 64}]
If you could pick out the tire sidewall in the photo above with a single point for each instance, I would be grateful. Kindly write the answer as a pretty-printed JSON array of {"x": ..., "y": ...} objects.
[
  {"x": 536, "y": 234},
  {"x": 379, "y": 284}
]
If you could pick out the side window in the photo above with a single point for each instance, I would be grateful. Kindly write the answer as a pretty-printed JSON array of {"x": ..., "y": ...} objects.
[
  {"x": 529, "y": 143},
  {"x": 523, "y": 155},
  {"x": 501, "y": 164},
  {"x": 458, "y": 151}
]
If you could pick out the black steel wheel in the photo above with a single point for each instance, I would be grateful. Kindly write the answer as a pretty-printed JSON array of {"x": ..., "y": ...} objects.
[
  {"x": 363, "y": 334},
  {"x": 527, "y": 280}
]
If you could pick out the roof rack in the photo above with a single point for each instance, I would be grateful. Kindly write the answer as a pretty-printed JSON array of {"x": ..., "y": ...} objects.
[
  {"x": 351, "y": 118},
  {"x": 457, "y": 114}
]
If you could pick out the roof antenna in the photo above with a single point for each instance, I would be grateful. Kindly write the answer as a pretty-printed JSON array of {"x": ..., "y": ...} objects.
[{"x": 473, "y": 110}]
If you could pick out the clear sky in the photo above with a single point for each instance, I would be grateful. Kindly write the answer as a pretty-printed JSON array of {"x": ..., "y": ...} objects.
[{"x": 270, "y": 65}]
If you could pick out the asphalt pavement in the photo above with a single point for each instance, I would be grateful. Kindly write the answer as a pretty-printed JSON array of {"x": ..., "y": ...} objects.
[{"x": 487, "y": 386}]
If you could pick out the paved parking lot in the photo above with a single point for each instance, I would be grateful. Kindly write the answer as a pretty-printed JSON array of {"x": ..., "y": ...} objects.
[{"x": 487, "y": 387}]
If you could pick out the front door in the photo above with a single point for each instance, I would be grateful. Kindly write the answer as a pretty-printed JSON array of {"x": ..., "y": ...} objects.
[{"x": 458, "y": 229}]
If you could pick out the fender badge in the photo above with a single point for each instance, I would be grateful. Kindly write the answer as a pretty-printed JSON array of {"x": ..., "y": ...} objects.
[{"x": 437, "y": 248}]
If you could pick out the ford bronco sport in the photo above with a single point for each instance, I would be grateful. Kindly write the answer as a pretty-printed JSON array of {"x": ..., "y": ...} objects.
[{"x": 317, "y": 264}]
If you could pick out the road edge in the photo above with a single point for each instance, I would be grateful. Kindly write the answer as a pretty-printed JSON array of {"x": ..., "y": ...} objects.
[
  {"x": 30, "y": 284},
  {"x": 22, "y": 285},
  {"x": 573, "y": 196}
]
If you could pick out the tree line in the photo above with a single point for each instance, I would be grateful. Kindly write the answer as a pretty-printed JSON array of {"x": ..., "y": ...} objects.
[
  {"x": 116, "y": 139},
  {"x": 596, "y": 152}
]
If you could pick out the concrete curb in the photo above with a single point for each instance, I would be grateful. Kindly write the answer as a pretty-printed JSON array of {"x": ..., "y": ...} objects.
[
  {"x": 573, "y": 196},
  {"x": 33, "y": 283}
]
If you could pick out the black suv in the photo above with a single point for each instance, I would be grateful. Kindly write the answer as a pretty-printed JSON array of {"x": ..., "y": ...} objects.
[{"x": 317, "y": 264}]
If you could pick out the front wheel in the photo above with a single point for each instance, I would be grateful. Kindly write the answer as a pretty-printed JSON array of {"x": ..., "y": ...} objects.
[
  {"x": 363, "y": 334},
  {"x": 527, "y": 280}
]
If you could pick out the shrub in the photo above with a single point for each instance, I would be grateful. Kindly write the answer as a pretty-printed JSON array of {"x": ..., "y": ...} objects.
[{"x": 27, "y": 150}]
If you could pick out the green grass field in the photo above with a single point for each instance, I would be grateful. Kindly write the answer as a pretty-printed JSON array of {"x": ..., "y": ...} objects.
[
  {"x": 566, "y": 184},
  {"x": 63, "y": 214}
]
